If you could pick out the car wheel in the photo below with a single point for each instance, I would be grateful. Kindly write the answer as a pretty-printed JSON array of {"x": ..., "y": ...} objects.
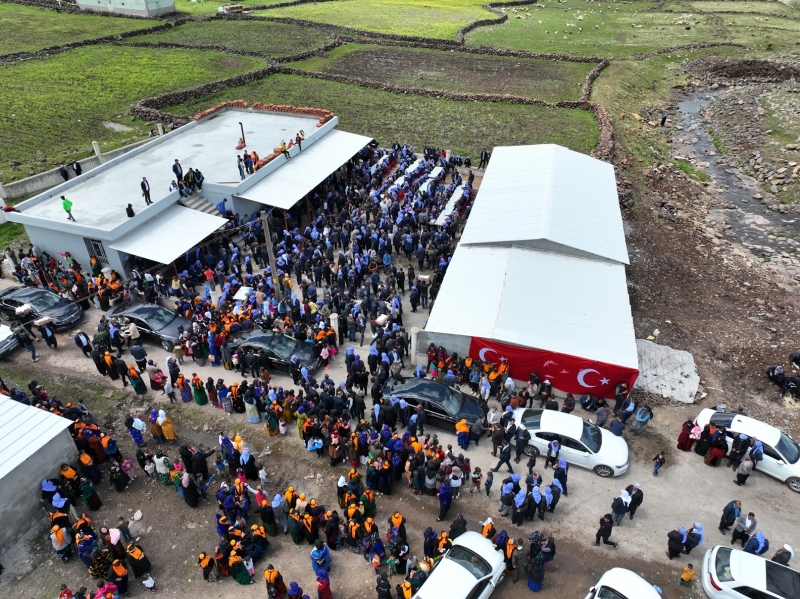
[
  {"x": 794, "y": 484},
  {"x": 604, "y": 471},
  {"x": 530, "y": 450},
  {"x": 167, "y": 345},
  {"x": 500, "y": 579}
]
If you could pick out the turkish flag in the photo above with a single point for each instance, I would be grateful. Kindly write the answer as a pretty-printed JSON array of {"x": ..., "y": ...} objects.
[{"x": 570, "y": 374}]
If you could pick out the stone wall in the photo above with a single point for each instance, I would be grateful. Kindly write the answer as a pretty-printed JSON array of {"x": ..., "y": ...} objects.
[{"x": 70, "y": 7}]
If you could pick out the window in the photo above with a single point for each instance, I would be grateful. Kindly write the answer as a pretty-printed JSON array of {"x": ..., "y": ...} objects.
[
  {"x": 609, "y": 593},
  {"x": 789, "y": 449},
  {"x": 479, "y": 589},
  {"x": 771, "y": 452},
  {"x": 723, "y": 564},
  {"x": 549, "y": 437},
  {"x": 591, "y": 436},
  {"x": 753, "y": 593},
  {"x": 573, "y": 444},
  {"x": 45, "y": 301},
  {"x": 782, "y": 581},
  {"x": 96, "y": 249},
  {"x": 722, "y": 419},
  {"x": 532, "y": 419},
  {"x": 470, "y": 561},
  {"x": 160, "y": 318}
]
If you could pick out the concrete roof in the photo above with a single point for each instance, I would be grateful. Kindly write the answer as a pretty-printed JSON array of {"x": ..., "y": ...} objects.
[
  {"x": 100, "y": 196},
  {"x": 550, "y": 198},
  {"x": 24, "y": 431},
  {"x": 169, "y": 234},
  {"x": 533, "y": 298}
]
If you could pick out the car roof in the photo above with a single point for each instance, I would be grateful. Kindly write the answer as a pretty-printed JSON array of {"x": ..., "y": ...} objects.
[
  {"x": 628, "y": 583},
  {"x": 26, "y": 292},
  {"x": 748, "y": 569},
  {"x": 455, "y": 582},
  {"x": 556, "y": 422},
  {"x": 744, "y": 424},
  {"x": 140, "y": 309}
]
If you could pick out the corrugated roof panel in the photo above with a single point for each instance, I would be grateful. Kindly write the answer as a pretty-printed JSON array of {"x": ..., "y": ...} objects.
[
  {"x": 24, "y": 431},
  {"x": 173, "y": 232},
  {"x": 302, "y": 173},
  {"x": 547, "y": 192}
]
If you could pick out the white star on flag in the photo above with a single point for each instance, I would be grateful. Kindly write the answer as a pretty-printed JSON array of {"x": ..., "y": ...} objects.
[{"x": 604, "y": 381}]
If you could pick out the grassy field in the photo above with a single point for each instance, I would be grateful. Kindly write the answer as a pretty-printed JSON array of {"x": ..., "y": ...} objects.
[
  {"x": 623, "y": 29},
  {"x": 25, "y": 28},
  {"x": 767, "y": 8},
  {"x": 464, "y": 127},
  {"x": 49, "y": 106},
  {"x": 426, "y": 18},
  {"x": 544, "y": 79},
  {"x": 209, "y": 7},
  {"x": 277, "y": 39}
]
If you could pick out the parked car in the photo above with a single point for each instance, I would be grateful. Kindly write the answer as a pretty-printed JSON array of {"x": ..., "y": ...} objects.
[
  {"x": 582, "y": 442},
  {"x": 733, "y": 574},
  {"x": 8, "y": 341},
  {"x": 154, "y": 322},
  {"x": 443, "y": 405},
  {"x": 472, "y": 569},
  {"x": 279, "y": 349},
  {"x": 781, "y": 452},
  {"x": 619, "y": 583},
  {"x": 42, "y": 302}
]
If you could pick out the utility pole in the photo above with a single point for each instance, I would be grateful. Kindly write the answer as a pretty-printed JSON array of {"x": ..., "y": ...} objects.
[{"x": 272, "y": 266}]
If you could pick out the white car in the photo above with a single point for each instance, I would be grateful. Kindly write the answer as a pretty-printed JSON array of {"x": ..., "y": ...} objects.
[
  {"x": 733, "y": 574},
  {"x": 472, "y": 569},
  {"x": 781, "y": 452},
  {"x": 582, "y": 442},
  {"x": 619, "y": 583}
]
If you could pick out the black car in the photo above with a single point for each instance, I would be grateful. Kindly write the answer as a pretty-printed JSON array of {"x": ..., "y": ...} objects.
[
  {"x": 153, "y": 321},
  {"x": 8, "y": 341},
  {"x": 43, "y": 302},
  {"x": 444, "y": 405},
  {"x": 279, "y": 349}
]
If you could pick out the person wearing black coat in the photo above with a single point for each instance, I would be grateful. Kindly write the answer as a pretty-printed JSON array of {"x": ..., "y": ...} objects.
[
  {"x": 675, "y": 542},
  {"x": 383, "y": 587},
  {"x": 556, "y": 496},
  {"x": 729, "y": 515},
  {"x": 637, "y": 497},
  {"x": 199, "y": 461},
  {"x": 604, "y": 532},
  {"x": 122, "y": 369},
  {"x": 422, "y": 419},
  {"x": 692, "y": 540},
  {"x": 458, "y": 527},
  {"x": 99, "y": 363}
]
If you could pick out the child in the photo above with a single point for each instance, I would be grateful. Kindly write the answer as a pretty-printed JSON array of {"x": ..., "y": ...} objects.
[
  {"x": 150, "y": 469},
  {"x": 170, "y": 391},
  {"x": 222, "y": 465},
  {"x": 148, "y": 582},
  {"x": 65, "y": 593},
  {"x": 687, "y": 575},
  {"x": 477, "y": 478},
  {"x": 262, "y": 474},
  {"x": 489, "y": 481},
  {"x": 659, "y": 461},
  {"x": 122, "y": 526},
  {"x": 127, "y": 468}
]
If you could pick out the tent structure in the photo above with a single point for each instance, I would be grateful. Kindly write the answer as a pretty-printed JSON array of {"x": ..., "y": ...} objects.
[{"x": 538, "y": 276}]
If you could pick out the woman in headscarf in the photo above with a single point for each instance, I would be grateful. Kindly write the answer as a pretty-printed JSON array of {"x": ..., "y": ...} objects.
[
  {"x": 184, "y": 387},
  {"x": 278, "y": 508},
  {"x": 520, "y": 508},
  {"x": 462, "y": 434},
  {"x": 676, "y": 539},
  {"x": 135, "y": 427},
  {"x": 620, "y": 506},
  {"x": 248, "y": 464},
  {"x": 295, "y": 527},
  {"x": 250, "y": 405},
  {"x": 310, "y": 528},
  {"x": 560, "y": 472},
  {"x": 61, "y": 538},
  {"x": 191, "y": 494},
  {"x": 176, "y": 477},
  {"x": 536, "y": 573},
  {"x": 295, "y": 591},
  {"x": 198, "y": 390},
  {"x": 108, "y": 359},
  {"x": 271, "y": 419},
  {"x": 118, "y": 574},
  {"x": 323, "y": 586},
  {"x": 695, "y": 538},
  {"x": 155, "y": 427},
  {"x": 757, "y": 545},
  {"x": 444, "y": 500},
  {"x": 685, "y": 440},
  {"x": 320, "y": 557},
  {"x": 140, "y": 565},
  {"x": 90, "y": 469},
  {"x": 90, "y": 495},
  {"x": 236, "y": 399},
  {"x": 211, "y": 391},
  {"x": 275, "y": 586},
  {"x": 119, "y": 479},
  {"x": 166, "y": 426},
  {"x": 163, "y": 467},
  {"x": 704, "y": 442},
  {"x": 332, "y": 530},
  {"x": 224, "y": 396},
  {"x": 209, "y": 567},
  {"x": 238, "y": 571},
  {"x": 136, "y": 380}
]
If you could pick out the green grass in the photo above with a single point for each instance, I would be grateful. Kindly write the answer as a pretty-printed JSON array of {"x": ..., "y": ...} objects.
[
  {"x": 687, "y": 168},
  {"x": 543, "y": 79},
  {"x": 277, "y": 39},
  {"x": 209, "y": 7},
  {"x": 768, "y": 8},
  {"x": 426, "y": 18},
  {"x": 59, "y": 103},
  {"x": 623, "y": 29},
  {"x": 24, "y": 28},
  {"x": 718, "y": 144},
  {"x": 463, "y": 127},
  {"x": 12, "y": 234}
]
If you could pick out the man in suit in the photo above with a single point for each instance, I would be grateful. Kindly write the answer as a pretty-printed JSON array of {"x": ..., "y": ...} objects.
[
  {"x": 484, "y": 159},
  {"x": 63, "y": 172},
  {"x": 178, "y": 170},
  {"x": 76, "y": 167},
  {"x": 744, "y": 527},
  {"x": 146, "y": 190},
  {"x": 505, "y": 458}
]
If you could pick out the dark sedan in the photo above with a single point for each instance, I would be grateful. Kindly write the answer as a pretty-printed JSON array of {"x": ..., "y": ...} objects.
[
  {"x": 153, "y": 321},
  {"x": 8, "y": 341},
  {"x": 444, "y": 405},
  {"x": 43, "y": 302},
  {"x": 279, "y": 349}
]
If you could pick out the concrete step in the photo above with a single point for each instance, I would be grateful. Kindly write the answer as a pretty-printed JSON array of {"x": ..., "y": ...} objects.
[{"x": 198, "y": 202}]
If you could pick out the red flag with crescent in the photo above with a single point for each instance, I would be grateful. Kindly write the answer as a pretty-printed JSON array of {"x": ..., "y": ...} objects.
[{"x": 570, "y": 374}]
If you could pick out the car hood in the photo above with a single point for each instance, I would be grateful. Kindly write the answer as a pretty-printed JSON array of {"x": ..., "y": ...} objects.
[
  {"x": 5, "y": 332},
  {"x": 171, "y": 330},
  {"x": 61, "y": 312},
  {"x": 613, "y": 448}
]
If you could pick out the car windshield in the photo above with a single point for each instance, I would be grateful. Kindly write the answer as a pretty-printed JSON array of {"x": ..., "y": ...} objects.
[
  {"x": 591, "y": 436},
  {"x": 283, "y": 346},
  {"x": 45, "y": 301},
  {"x": 722, "y": 419},
  {"x": 470, "y": 561},
  {"x": 788, "y": 448},
  {"x": 782, "y": 581},
  {"x": 160, "y": 318},
  {"x": 451, "y": 401},
  {"x": 723, "y": 565},
  {"x": 532, "y": 419}
]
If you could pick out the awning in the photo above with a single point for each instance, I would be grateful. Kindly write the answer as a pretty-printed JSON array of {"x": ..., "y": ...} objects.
[
  {"x": 303, "y": 172},
  {"x": 173, "y": 232}
]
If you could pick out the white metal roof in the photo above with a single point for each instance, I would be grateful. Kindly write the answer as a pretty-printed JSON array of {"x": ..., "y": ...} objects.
[
  {"x": 24, "y": 431},
  {"x": 538, "y": 299},
  {"x": 171, "y": 233},
  {"x": 451, "y": 205},
  {"x": 304, "y": 171},
  {"x": 551, "y": 198}
]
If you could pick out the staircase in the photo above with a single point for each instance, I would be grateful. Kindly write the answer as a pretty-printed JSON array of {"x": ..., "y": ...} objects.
[{"x": 198, "y": 202}]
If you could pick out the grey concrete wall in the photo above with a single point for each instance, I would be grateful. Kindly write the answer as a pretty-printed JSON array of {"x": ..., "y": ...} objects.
[
  {"x": 51, "y": 178},
  {"x": 452, "y": 343},
  {"x": 21, "y": 490},
  {"x": 56, "y": 242},
  {"x": 140, "y": 8},
  {"x": 242, "y": 206}
]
